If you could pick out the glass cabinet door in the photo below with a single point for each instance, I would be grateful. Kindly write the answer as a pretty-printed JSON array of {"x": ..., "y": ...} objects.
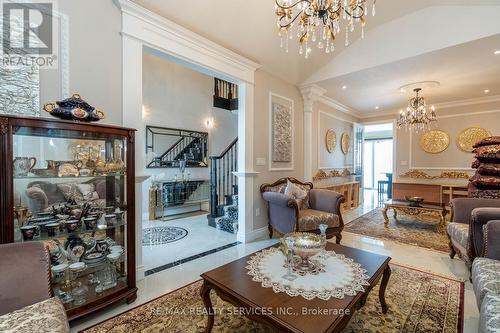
[{"x": 70, "y": 192}]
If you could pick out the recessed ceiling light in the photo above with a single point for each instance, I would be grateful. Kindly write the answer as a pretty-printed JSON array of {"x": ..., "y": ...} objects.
[
  {"x": 402, "y": 90},
  {"x": 376, "y": 108},
  {"x": 344, "y": 87},
  {"x": 486, "y": 91},
  {"x": 497, "y": 52}
]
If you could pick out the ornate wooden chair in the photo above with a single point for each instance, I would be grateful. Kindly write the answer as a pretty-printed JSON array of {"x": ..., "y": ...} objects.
[{"x": 287, "y": 214}]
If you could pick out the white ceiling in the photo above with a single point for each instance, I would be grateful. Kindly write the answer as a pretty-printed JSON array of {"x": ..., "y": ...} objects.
[
  {"x": 464, "y": 65},
  {"x": 464, "y": 72}
]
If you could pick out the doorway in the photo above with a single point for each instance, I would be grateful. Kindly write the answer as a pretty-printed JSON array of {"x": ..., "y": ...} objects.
[{"x": 378, "y": 159}]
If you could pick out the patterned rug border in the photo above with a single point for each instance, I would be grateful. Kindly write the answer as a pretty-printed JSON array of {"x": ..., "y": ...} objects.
[
  {"x": 387, "y": 239},
  {"x": 460, "y": 323}
]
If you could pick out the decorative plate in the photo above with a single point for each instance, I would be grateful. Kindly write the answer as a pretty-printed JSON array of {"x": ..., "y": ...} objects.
[
  {"x": 344, "y": 143},
  {"x": 331, "y": 140},
  {"x": 469, "y": 136},
  {"x": 434, "y": 142}
]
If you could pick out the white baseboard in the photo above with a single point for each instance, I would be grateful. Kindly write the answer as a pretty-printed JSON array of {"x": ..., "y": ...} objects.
[
  {"x": 253, "y": 235},
  {"x": 139, "y": 273}
]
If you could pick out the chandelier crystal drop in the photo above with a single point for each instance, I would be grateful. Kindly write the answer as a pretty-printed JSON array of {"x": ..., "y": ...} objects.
[
  {"x": 416, "y": 117},
  {"x": 318, "y": 22}
]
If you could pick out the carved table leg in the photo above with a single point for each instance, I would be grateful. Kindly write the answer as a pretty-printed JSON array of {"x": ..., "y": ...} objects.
[
  {"x": 205, "y": 295},
  {"x": 383, "y": 286},
  {"x": 384, "y": 212}
]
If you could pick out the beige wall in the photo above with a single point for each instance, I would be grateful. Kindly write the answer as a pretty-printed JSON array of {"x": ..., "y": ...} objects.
[
  {"x": 264, "y": 84},
  {"x": 451, "y": 120},
  {"x": 325, "y": 117},
  {"x": 94, "y": 58}
]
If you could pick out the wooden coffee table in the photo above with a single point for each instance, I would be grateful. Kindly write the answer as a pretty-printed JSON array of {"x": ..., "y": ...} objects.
[
  {"x": 422, "y": 212},
  {"x": 284, "y": 313}
]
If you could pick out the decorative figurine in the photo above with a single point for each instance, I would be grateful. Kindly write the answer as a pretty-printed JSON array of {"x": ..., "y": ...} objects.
[{"x": 74, "y": 108}]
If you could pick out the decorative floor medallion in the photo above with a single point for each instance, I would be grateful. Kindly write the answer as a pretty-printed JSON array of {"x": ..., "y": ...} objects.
[{"x": 162, "y": 235}]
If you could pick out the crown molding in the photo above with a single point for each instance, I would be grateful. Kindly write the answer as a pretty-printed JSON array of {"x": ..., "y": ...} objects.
[
  {"x": 158, "y": 24},
  {"x": 339, "y": 106},
  {"x": 312, "y": 92},
  {"x": 444, "y": 105}
]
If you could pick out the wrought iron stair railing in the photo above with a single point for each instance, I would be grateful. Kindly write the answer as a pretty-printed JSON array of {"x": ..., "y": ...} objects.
[{"x": 223, "y": 183}]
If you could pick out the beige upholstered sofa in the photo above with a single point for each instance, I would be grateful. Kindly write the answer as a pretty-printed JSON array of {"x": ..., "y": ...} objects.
[{"x": 26, "y": 301}]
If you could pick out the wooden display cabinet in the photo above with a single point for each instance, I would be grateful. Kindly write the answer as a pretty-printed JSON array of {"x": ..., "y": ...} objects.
[{"x": 53, "y": 172}]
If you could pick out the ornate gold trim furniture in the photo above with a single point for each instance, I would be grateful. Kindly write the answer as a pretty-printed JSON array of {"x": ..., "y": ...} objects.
[
  {"x": 473, "y": 228},
  {"x": 287, "y": 214},
  {"x": 422, "y": 212},
  {"x": 81, "y": 206}
]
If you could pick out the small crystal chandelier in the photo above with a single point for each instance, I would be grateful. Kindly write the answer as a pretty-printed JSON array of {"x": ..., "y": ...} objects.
[
  {"x": 416, "y": 117},
  {"x": 319, "y": 21}
]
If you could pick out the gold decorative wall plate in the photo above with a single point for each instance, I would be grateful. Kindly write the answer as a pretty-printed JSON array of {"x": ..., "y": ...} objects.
[
  {"x": 331, "y": 140},
  {"x": 434, "y": 142},
  {"x": 344, "y": 143},
  {"x": 469, "y": 136}
]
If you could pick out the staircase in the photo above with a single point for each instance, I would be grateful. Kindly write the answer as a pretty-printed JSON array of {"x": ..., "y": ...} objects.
[
  {"x": 189, "y": 148},
  {"x": 224, "y": 190}
]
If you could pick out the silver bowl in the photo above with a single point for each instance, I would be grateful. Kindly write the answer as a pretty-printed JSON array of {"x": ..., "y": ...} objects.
[{"x": 305, "y": 245}]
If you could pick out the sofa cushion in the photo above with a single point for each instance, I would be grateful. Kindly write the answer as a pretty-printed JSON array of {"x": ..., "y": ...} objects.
[
  {"x": 71, "y": 191},
  {"x": 459, "y": 234},
  {"x": 485, "y": 181},
  {"x": 299, "y": 193},
  {"x": 489, "y": 317},
  {"x": 489, "y": 153},
  {"x": 310, "y": 219},
  {"x": 43, "y": 317},
  {"x": 485, "y": 277},
  {"x": 474, "y": 192},
  {"x": 491, "y": 140},
  {"x": 491, "y": 169}
]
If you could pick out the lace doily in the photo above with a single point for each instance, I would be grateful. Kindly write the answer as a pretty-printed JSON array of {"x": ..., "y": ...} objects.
[{"x": 342, "y": 276}]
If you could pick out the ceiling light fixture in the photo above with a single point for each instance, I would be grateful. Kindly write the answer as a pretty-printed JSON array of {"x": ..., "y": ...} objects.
[
  {"x": 486, "y": 91},
  {"x": 344, "y": 87},
  {"x": 417, "y": 117},
  {"x": 319, "y": 21},
  {"x": 376, "y": 108},
  {"x": 497, "y": 52}
]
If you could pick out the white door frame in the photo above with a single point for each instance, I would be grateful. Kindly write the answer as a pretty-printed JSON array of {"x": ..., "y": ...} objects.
[{"x": 142, "y": 28}]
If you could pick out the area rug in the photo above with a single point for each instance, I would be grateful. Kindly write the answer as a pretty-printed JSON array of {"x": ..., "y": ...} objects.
[
  {"x": 162, "y": 235},
  {"x": 418, "y": 302},
  {"x": 403, "y": 230}
]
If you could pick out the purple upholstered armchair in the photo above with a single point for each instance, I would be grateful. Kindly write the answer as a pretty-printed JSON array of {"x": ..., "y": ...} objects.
[
  {"x": 288, "y": 215},
  {"x": 474, "y": 230}
]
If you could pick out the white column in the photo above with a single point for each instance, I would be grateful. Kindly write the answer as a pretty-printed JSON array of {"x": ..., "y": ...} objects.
[
  {"x": 245, "y": 172},
  {"x": 310, "y": 94},
  {"x": 132, "y": 117}
]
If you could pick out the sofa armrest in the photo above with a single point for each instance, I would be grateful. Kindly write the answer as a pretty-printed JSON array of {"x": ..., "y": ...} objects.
[
  {"x": 326, "y": 200},
  {"x": 480, "y": 217},
  {"x": 492, "y": 240},
  {"x": 39, "y": 200},
  {"x": 461, "y": 208},
  {"x": 278, "y": 199},
  {"x": 283, "y": 212}
]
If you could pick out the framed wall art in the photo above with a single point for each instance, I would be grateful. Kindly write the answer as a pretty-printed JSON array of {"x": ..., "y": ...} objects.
[{"x": 281, "y": 132}]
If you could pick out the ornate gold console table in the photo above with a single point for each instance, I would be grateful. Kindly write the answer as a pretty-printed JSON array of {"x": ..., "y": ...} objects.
[{"x": 422, "y": 212}]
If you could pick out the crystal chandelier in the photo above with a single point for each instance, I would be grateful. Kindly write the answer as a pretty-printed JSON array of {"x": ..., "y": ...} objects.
[
  {"x": 319, "y": 21},
  {"x": 417, "y": 117}
]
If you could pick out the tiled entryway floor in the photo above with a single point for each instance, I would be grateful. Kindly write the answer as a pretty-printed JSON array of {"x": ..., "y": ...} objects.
[{"x": 200, "y": 238}]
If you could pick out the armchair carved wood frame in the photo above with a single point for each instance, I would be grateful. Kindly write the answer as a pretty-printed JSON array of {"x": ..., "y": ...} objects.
[{"x": 285, "y": 214}]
